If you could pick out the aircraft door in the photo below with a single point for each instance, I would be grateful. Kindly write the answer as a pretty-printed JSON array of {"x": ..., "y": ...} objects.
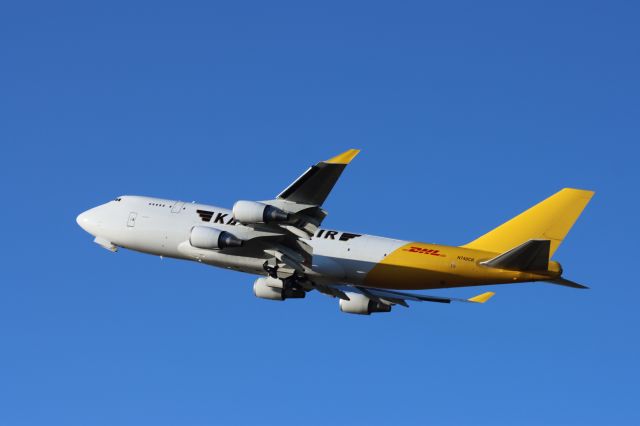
[
  {"x": 177, "y": 207},
  {"x": 131, "y": 222}
]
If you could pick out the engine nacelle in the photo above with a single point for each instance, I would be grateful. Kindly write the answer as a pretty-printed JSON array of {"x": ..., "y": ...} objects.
[
  {"x": 274, "y": 289},
  {"x": 205, "y": 237},
  {"x": 362, "y": 305},
  {"x": 264, "y": 291},
  {"x": 254, "y": 212}
]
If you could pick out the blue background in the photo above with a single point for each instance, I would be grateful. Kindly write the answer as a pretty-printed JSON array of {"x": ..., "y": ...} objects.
[{"x": 467, "y": 113}]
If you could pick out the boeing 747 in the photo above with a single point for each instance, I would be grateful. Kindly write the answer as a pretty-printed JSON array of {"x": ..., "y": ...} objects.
[{"x": 282, "y": 240}]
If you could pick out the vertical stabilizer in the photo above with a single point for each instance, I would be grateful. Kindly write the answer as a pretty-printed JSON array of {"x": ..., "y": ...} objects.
[{"x": 550, "y": 220}]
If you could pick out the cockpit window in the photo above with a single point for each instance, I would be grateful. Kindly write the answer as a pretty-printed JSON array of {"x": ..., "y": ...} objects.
[{"x": 118, "y": 199}]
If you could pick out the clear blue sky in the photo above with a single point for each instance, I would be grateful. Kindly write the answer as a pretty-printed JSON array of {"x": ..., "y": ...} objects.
[{"x": 467, "y": 113}]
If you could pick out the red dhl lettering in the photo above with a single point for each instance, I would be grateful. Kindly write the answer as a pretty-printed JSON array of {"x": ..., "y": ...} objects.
[{"x": 421, "y": 250}]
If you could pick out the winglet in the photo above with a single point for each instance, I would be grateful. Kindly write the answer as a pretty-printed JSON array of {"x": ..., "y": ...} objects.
[
  {"x": 481, "y": 298},
  {"x": 344, "y": 158}
]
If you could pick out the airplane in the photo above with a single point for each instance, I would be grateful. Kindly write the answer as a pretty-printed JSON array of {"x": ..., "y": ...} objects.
[{"x": 283, "y": 242}]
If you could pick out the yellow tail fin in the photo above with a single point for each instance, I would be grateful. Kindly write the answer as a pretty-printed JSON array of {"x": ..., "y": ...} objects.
[{"x": 549, "y": 220}]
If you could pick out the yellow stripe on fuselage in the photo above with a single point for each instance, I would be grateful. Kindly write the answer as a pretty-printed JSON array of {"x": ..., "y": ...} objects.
[{"x": 417, "y": 266}]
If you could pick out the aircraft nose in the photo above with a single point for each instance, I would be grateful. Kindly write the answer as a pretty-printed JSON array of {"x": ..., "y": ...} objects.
[
  {"x": 83, "y": 220},
  {"x": 87, "y": 221}
]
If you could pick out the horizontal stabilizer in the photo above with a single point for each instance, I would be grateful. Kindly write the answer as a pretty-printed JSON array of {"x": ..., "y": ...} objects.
[
  {"x": 530, "y": 256},
  {"x": 567, "y": 283}
]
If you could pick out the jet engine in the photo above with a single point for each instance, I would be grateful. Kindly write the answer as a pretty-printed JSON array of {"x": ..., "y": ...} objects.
[
  {"x": 205, "y": 237},
  {"x": 254, "y": 212},
  {"x": 362, "y": 305},
  {"x": 275, "y": 289}
]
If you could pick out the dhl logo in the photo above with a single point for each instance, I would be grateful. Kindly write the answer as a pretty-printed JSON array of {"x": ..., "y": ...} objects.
[{"x": 421, "y": 250}]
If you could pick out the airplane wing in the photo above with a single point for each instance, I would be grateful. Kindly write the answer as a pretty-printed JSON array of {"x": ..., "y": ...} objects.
[
  {"x": 282, "y": 242},
  {"x": 299, "y": 212},
  {"x": 393, "y": 297},
  {"x": 314, "y": 185}
]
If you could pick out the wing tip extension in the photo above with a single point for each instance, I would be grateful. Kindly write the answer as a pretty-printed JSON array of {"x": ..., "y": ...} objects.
[
  {"x": 344, "y": 158},
  {"x": 481, "y": 298},
  {"x": 587, "y": 193}
]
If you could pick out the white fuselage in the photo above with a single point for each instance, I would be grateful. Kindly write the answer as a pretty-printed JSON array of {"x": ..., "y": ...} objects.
[{"x": 162, "y": 227}]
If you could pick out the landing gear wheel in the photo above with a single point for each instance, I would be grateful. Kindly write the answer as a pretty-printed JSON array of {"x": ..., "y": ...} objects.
[{"x": 271, "y": 270}]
